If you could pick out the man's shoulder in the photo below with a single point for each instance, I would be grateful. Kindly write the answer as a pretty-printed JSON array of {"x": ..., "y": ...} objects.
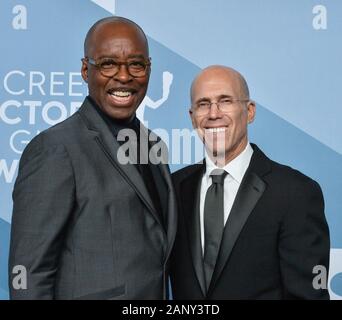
[
  {"x": 184, "y": 173},
  {"x": 279, "y": 173},
  {"x": 68, "y": 124},
  {"x": 57, "y": 135},
  {"x": 294, "y": 177}
]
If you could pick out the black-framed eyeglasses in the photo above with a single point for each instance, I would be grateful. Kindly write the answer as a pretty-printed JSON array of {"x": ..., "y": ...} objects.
[
  {"x": 109, "y": 67},
  {"x": 224, "y": 105}
]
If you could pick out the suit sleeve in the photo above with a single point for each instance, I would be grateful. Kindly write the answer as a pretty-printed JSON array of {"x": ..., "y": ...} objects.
[
  {"x": 43, "y": 198},
  {"x": 304, "y": 242}
]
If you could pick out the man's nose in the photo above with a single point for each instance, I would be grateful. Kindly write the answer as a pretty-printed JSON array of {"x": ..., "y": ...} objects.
[
  {"x": 214, "y": 111},
  {"x": 123, "y": 75}
]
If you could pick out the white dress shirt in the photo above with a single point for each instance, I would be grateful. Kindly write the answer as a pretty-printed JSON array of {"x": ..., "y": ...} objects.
[{"x": 236, "y": 170}]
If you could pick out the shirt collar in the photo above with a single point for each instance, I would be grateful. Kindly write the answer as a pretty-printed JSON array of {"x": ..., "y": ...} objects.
[{"x": 236, "y": 168}]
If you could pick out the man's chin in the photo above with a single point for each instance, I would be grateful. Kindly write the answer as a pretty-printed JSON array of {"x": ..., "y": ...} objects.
[
  {"x": 216, "y": 147},
  {"x": 121, "y": 114},
  {"x": 217, "y": 155}
]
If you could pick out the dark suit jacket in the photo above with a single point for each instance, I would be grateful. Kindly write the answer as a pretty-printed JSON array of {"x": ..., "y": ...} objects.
[
  {"x": 84, "y": 225},
  {"x": 274, "y": 236}
]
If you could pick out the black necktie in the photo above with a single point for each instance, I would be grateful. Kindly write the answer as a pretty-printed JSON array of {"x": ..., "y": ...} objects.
[{"x": 213, "y": 222}]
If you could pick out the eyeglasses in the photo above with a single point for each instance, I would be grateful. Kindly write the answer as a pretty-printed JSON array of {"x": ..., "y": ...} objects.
[
  {"x": 109, "y": 67},
  {"x": 224, "y": 105}
]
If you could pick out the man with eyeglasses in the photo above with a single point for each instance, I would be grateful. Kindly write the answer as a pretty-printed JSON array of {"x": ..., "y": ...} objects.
[
  {"x": 248, "y": 227},
  {"x": 86, "y": 224}
]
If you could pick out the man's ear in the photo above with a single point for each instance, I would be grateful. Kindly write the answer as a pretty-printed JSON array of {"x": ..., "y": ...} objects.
[
  {"x": 251, "y": 109},
  {"x": 84, "y": 70},
  {"x": 191, "y": 113}
]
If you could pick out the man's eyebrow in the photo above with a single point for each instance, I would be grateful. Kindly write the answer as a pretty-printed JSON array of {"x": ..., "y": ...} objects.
[
  {"x": 137, "y": 56},
  {"x": 106, "y": 57},
  {"x": 202, "y": 99},
  {"x": 221, "y": 96}
]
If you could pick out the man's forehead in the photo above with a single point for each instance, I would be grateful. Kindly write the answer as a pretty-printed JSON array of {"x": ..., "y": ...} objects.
[
  {"x": 113, "y": 38},
  {"x": 215, "y": 85},
  {"x": 217, "y": 75},
  {"x": 117, "y": 29}
]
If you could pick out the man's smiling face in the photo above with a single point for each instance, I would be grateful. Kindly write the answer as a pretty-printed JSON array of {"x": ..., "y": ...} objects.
[
  {"x": 120, "y": 95},
  {"x": 223, "y": 132}
]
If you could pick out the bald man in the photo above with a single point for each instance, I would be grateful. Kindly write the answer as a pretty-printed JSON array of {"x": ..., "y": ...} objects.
[
  {"x": 87, "y": 223},
  {"x": 248, "y": 227}
]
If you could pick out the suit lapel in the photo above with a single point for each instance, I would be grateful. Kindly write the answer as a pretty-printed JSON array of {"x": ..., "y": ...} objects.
[
  {"x": 171, "y": 210},
  {"x": 102, "y": 135},
  {"x": 162, "y": 177},
  {"x": 190, "y": 190},
  {"x": 249, "y": 193}
]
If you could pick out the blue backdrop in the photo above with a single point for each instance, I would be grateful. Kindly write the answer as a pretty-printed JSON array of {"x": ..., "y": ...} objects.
[{"x": 289, "y": 52}]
